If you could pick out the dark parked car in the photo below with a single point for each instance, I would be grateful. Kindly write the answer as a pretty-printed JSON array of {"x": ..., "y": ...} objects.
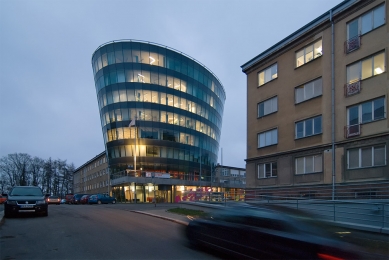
[
  {"x": 76, "y": 199},
  {"x": 84, "y": 199},
  {"x": 266, "y": 234},
  {"x": 25, "y": 199},
  {"x": 53, "y": 200},
  {"x": 101, "y": 198}
]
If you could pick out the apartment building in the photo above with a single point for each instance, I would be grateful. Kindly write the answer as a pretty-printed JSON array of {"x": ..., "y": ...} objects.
[{"x": 317, "y": 104}]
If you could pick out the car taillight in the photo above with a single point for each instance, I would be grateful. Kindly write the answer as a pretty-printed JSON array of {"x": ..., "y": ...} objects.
[{"x": 328, "y": 257}]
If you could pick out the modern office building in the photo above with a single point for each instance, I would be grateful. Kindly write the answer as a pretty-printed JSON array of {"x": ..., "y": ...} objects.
[
  {"x": 175, "y": 105},
  {"x": 317, "y": 106}
]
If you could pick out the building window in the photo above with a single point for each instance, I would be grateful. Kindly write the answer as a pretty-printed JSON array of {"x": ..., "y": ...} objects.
[
  {"x": 366, "y": 157},
  {"x": 366, "y": 23},
  {"x": 309, "y": 53},
  {"x": 268, "y": 138},
  {"x": 267, "y": 170},
  {"x": 268, "y": 106},
  {"x": 309, "y": 90},
  {"x": 366, "y": 112},
  {"x": 309, "y": 164},
  {"x": 308, "y": 127},
  {"x": 267, "y": 75},
  {"x": 366, "y": 68}
]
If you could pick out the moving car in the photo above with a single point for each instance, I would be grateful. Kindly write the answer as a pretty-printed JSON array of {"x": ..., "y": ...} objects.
[
  {"x": 2, "y": 199},
  {"x": 25, "y": 199},
  {"x": 53, "y": 200},
  {"x": 101, "y": 198},
  {"x": 266, "y": 234}
]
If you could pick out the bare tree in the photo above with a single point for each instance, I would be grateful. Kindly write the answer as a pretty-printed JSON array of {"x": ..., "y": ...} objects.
[
  {"x": 36, "y": 169},
  {"x": 16, "y": 167}
]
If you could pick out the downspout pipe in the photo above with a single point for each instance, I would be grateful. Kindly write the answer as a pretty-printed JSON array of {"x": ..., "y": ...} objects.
[{"x": 332, "y": 104}]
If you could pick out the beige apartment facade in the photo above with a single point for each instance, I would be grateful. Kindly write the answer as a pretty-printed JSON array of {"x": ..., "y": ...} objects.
[{"x": 317, "y": 103}]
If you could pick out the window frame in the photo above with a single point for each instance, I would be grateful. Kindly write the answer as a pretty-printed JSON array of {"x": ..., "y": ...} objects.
[
  {"x": 259, "y": 165},
  {"x": 313, "y": 163},
  {"x": 313, "y": 127},
  {"x": 359, "y": 63},
  {"x": 264, "y": 132},
  {"x": 312, "y": 44},
  {"x": 263, "y": 102},
  {"x": 360, "y": 111},
  {"x": 360, "y": 157},
  {"x": 359, "y": 20},
  {"x": 269, "y": 68},
  {"x": 304, "y": 89}
]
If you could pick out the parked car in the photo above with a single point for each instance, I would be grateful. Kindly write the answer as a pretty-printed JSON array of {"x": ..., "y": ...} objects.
[
  {"x": 76, "y": 198},
  {"x": 53, "y": 200},
  {"x": 68, "y": 198},
  {"x": 267, "y": 234},
  {"x": 63, "y": 201},
  {"x": 84, "y": 199},
  {"x": 101, "y": 198},
  {"x": 2, "y": 199},
  {"x": 25, "y": 199}
]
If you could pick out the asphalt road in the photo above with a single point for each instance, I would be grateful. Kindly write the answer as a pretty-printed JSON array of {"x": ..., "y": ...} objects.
[{"x": 94, "y": 232}]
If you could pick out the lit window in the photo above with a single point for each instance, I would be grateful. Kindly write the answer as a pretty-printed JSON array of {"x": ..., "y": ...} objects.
[
  {"x": 309, "y": 164},
  {"x": 267, "y": 107},
  {"x": 309, "y": 53},
  {"x": 366, "y": 157},
  {"x": 268, "y": 138},
  {"x": 366, "y": 68},
  {"x": 267, "y": 75},
  {"x": 267, "y": 170}
]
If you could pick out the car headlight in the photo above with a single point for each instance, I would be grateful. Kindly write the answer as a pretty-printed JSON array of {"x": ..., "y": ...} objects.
[
  {"x": 40, "y": 202},
  {"x": 11, "y": 202}
]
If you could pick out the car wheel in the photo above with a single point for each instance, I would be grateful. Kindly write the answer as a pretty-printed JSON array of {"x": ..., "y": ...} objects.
[
  {"x": 99, "y": 202},
  {"x": 114, "y": 202},
  {"x": 46, "y": 213}
]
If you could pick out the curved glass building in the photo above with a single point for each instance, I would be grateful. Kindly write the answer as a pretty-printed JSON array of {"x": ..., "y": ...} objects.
[{"x": 177, "y": 104}]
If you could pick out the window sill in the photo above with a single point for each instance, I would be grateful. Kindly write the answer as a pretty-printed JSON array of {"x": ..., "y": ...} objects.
[
  {"x": 308, "y": 99},
  {"x": 264, "y": 178},
  {"x": 299, "y": 174},
  {"x": 373, "y": 121},
  {"x": 267, "y": 146},
  {"x": 309, "y": 62},
  {"x": 267, "y": 82},
  {"x": 308, "y": 136},
  {"x": 260, "y": 117},
  {"x": 367, "y": 167}
]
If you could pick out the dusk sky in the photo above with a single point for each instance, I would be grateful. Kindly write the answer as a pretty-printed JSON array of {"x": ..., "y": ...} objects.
[{"x": 48, "y": 101}]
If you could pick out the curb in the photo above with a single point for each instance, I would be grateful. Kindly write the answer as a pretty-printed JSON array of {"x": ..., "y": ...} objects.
[{"x": 159, "y": 216}]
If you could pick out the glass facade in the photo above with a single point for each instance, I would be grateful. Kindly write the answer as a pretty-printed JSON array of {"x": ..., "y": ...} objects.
[{"x": 177, "y": 104}]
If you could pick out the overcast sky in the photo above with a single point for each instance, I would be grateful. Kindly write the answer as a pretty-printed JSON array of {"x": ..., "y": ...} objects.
[{"x": 48, "y": 102}]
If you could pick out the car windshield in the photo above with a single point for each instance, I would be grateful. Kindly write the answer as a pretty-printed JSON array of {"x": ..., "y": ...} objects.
[{"x": 26, "y": 191}]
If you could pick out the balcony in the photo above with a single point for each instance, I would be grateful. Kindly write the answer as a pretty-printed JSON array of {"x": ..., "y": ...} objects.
[
  {"x": 352, "y": 88},
  {"x": 352, "y": 130},
  {"x": 352, "y": 44}
]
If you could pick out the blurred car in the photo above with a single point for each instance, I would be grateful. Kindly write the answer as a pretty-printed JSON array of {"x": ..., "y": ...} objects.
[
  {"x": 101, "y": 198},
  {"x": 266, "y": 234},
  {"x": 63, "y": 201},
  {"x": 53, "y": 200},
  {"x": 68, "y": 198},
  {"x": 84, "y": 199},
  {"x": 2, "y": 199},
  {"x": 25, "y": 199},
  {"x": 76, "y": 198}
]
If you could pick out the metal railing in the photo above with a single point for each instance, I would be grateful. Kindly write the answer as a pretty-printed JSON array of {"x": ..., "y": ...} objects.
[
  {"x": 352, "y": 44},
  {"x": 352, "y": 130},
  {"x": 352, "y": 88}
]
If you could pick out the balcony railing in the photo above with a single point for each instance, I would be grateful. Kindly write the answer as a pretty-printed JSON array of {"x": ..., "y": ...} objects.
[
  {"x": 352, "y": 130},
  {"x": 352, "y": 88},
  {"x": 352, "y": 44}
]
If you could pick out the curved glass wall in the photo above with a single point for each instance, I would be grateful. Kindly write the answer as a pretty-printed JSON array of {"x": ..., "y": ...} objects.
[{"x": 177, "y": 103}]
